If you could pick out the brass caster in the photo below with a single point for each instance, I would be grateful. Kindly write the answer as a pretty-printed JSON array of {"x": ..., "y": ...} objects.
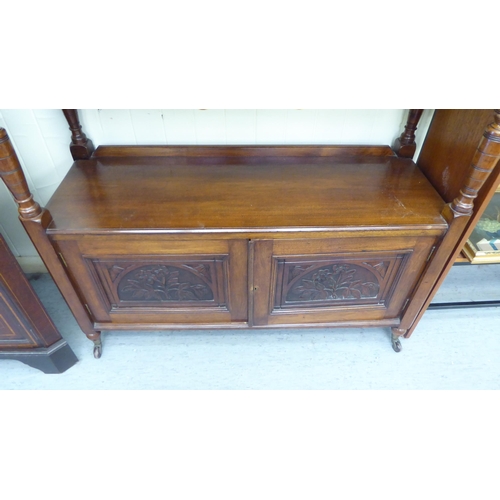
[
  {"x": 97, "y": 349},
  {"x": 396, "y": 344}
]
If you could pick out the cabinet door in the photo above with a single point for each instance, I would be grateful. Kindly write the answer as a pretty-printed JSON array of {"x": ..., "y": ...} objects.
[
  {"x": 153, "y": 281},
  {"x": 346, "y": 280}
]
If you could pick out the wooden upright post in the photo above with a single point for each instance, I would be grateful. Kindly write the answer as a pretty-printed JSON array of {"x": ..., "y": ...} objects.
[
  {"x": 483, "y": 163},
  {"x": 405, "y": 145},
  {"x": 35, "y": 220},
  {"x": 13, "y": 176},
  {"x": 457, "y": 214},
  {"x": 81, "y": 148}
]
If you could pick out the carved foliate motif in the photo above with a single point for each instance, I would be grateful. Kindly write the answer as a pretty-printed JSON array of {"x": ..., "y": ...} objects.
[
  {"x": 163, "y": 283},
  {"x": 114, "y": 271},
  {"x": 202, "y": 269},
  {"x": 334, "y": 282},
  {"x": 297, "y": 271},
  {"x": 380, "y": 267}
]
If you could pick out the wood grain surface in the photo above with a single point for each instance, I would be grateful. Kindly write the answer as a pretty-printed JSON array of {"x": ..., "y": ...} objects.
[{"x": 121, "y": 194}]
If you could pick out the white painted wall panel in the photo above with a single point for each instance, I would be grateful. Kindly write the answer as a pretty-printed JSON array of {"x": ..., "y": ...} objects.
[
  {"x": 210, "y": 126},
  {"x": 359, "y": 125},
  {"x": 179, "y": 126},
  {"x": 22, "y": 126},
  {"x": 300, "y": 126},
  {"x": 56, "y": 134},
  {"x": 148, "y": 126},
  {"x": 241, "y": 126},
  {"x": 117, "y": 126},
  {"x": 89, "y": 118},
  {"x": 330, "y": 125},
  {"x": 271, "y": 126},
  {"x": 41, "y": 139},
  {"x": 423, "y": 126},
  {"x": 384, "y": 131}
]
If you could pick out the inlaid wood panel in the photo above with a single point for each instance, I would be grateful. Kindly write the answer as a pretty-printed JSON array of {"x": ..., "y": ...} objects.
[
  {"x": 23, "y": 320},
  {"x": 15, "y": 327},
  {"x": 27, "y": 333}
]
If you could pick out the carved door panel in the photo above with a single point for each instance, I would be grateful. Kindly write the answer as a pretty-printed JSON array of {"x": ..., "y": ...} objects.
[
  {"x": 345, "y": 280},
  {"x": 159, "y": 281}
]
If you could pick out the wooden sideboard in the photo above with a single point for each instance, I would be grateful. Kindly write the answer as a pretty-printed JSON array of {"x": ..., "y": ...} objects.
[
  {"x": 169, "y": 237},
  {"x": 27, "y": 333}
]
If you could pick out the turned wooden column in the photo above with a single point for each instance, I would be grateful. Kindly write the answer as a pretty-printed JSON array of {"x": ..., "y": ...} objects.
[
  {"x": 483, "y": 163},
  {"x": 35, "y": 220},
  {"x": 13, "y": 176},
  {"x": 405, "y": 145},
  {"x": 81, "y": 147},
  {"x": 457, "y": 214}
]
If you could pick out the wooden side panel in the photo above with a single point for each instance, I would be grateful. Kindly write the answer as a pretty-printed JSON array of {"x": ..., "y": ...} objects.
[
  {"x": 23, "y": 319},
  {"x": 480, "y": 179},
  {"x": 450, "y": 144},
  {"x": 15, "y": 327}
]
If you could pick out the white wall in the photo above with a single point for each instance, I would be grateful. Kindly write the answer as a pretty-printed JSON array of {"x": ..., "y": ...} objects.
[{"x": 41, "y": 139}]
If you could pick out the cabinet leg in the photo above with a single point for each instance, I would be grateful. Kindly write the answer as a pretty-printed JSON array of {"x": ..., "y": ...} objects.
[
  {"x": 97, "y": 348},
  {"x": 95, "y": 337},
  {"x": 396, "y": 343}
]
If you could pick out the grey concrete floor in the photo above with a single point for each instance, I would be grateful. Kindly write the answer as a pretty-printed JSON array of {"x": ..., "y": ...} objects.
[{"x": 450, "y": 349}]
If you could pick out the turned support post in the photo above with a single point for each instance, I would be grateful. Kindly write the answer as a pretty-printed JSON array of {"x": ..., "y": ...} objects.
[
  {"x": 457, "y": 214},
  {"x": 13, "y": 176},
  {"x": 484, "y": 161},
  {"x": 405, "y": 145},
  {"x": 35, "y": 220},
  {"x": 81, "y": 147}
]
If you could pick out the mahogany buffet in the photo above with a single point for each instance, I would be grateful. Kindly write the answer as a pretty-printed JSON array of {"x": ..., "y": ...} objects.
[{"x": 170, "y": 237}]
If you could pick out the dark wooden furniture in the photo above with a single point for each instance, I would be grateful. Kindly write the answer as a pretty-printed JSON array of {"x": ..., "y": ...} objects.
[
  {"x": 27, "y": 333},
  {"x": 451, "y": 142},
  {"x": 153, "y": 237}
]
